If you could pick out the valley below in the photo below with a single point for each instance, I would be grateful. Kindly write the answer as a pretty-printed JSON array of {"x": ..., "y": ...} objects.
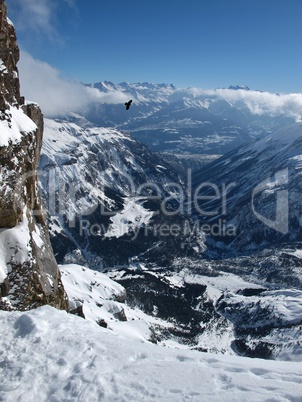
[{"x": 206, "y": 246}]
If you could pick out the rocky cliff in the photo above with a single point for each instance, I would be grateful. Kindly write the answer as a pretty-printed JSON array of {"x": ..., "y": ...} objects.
[{"x": 29, "y": 275}]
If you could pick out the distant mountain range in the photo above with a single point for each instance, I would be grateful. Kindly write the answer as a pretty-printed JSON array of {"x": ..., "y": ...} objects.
[{"x": 181, "y": 121}]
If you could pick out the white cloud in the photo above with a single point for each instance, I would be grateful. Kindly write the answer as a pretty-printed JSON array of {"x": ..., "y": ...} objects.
[
  {"x": 38, "y": 16},
  {"x": 260, "y": 102},
  {"x": 42, "y": 83},
  {"x": 56, "y": 96},
  {"x": 267, "y": 103}
]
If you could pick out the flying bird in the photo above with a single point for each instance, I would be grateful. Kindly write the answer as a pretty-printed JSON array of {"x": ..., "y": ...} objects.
[{"x": 128, "y": 104}]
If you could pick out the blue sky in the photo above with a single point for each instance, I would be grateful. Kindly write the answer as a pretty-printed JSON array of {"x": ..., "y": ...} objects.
[{"x": 198, "y": 43}]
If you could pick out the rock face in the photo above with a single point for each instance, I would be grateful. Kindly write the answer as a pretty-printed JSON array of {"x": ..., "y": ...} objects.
[
  {"x": 29, "y": 275},
  {"x": 9, "y": 81}
]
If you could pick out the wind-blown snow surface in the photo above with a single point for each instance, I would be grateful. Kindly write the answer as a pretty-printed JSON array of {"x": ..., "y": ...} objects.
[{"x": 48, "y": 355}]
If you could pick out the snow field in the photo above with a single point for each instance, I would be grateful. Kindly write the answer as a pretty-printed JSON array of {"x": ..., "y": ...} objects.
[{"x": 49, "y": 355}]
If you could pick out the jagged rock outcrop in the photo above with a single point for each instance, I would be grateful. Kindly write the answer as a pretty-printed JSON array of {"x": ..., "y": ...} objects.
[
  {"x": 29, "y": 275},
  {"x": 9, "y": 81}
]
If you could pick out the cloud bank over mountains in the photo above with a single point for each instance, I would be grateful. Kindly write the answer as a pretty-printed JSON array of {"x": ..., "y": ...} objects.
[
  {"x": 42, "y": 83},
  {"x": 264, "y": 102}
]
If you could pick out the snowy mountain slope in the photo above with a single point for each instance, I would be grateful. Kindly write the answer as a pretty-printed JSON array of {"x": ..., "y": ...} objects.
[
  {"x": 85, "y": 169},
  {"x": 103, "y": 301},
  {"x": 179, "y": 311},
  {"x": 72, "y": 358},
  {"x": 104, "y": 192},
  {"x": 261, "y": 204},
  {"x": 189, "y": 309},
  {"x": 168, "y": 119},
  {"x": 217, "y": 306},
  {"x": 262, "y": 186}
]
